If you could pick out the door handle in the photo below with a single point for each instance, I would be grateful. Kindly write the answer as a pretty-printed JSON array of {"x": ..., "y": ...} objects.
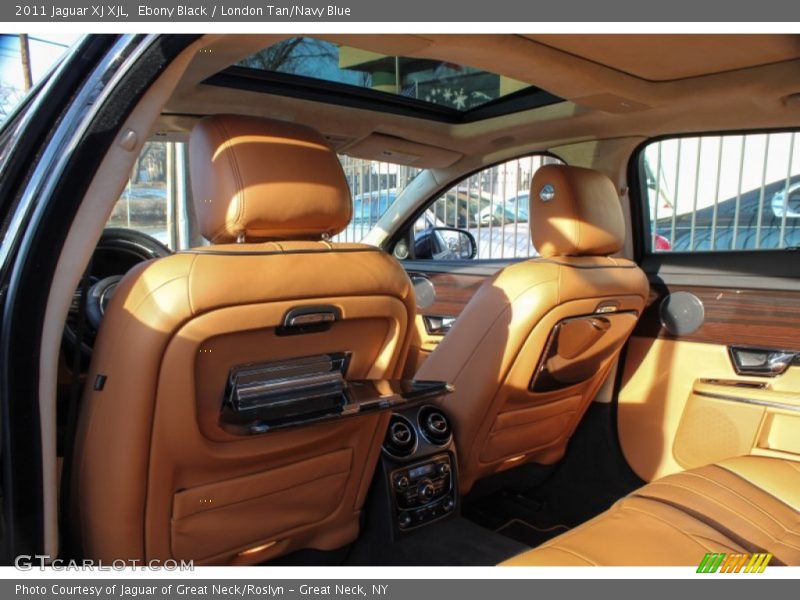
[
  {"x": 438, "y": 325},
  {"x": 762, "y": 362}
]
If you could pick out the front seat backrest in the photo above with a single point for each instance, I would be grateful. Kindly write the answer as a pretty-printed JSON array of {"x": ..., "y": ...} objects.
[
  {"x": 157, "y": 476},
  {"x": 533, "y": 346}
]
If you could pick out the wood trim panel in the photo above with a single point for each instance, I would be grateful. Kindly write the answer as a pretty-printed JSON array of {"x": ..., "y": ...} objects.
[
  {"x": 762, "y": 318},
  {"x": 453, "y": 291}
]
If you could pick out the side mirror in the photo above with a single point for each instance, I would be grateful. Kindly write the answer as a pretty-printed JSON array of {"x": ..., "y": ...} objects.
[{"x": 445, "y": 243}]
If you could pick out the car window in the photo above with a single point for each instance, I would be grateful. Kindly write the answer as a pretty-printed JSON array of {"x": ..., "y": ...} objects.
[
  {"x": 154, "y": 199},
  {"x": 722, "y": 193},
  {"x": 157, "y": 198},
  {"x": 375, "y": 186},
  {"x": 24, "y": 61},
  {"x": 491, "y": 206}
]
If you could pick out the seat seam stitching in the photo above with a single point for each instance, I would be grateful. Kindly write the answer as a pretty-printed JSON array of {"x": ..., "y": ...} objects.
[
  {"x": 748, "y": 482},
  {"x": 675, "y": 527},
  {"x": 731, "y": 535},
  {"x": 573, "y": 553},
  {"x": 777, "y": 539},
  {"x": 742, "y": 497},
  {"x": 717, "y": 502},
  {"x": 189, "y": 285},
  {"x": 506, "y": 308}
]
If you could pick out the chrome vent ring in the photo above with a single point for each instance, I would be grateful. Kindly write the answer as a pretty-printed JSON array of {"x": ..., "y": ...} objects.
[
  {"x": 401, "y": 438},
  {"x": 434, "y": 425}
]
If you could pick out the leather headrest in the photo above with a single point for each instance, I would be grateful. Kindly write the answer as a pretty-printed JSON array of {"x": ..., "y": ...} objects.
[
  {"x": 265, "y": 180},
  {"x": 575, "y": 212}
]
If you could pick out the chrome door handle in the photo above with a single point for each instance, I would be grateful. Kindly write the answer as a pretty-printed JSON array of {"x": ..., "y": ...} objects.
[
  {"x": 438, "y": 325},
  {"x": 762, "y": 362}
]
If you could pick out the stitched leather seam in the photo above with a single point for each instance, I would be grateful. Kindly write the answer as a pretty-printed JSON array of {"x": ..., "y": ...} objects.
[
  {"x": 279, "y": 252},
  {"x": 693, "y": 538},
  {"x": 477, "y": 348},
  {"x": 715, "y": 525},
  {"x": 236, "y": 172},
  {"x": 710, "y": 498},
  {"x": 189, "y": 285},
  {"x": 748, "y": 482},
  {"x": 567, "y": 535},
  {"x": 588, "y": 267},
  {"x": 741, "y": 496},
  {"x": 221, "y": 133},
  {"x": 575, "y": 554},
  {"x": 739, "y": 514},
  {"x": 717, "y": 545},
  {"x": 235, "y": 503}
]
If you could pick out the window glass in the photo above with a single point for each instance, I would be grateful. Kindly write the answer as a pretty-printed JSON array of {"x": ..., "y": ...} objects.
[
  {"x": 374, "y": 187},
  {"x": 492, "y": 206},
  {"x": 717, "y": 193},
  {"x": 437, "y": 82},
  {"x": 148, "y": 200},
  {"x": 24, "y": 61}
]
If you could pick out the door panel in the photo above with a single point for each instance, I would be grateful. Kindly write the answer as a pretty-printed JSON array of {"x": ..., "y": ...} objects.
[
  {"x": 666, "y": 426},
  {"x": 733, "y": 316},
  {"x": 671, "y": 417},
  {"x": 451, "y": 293},
  {"x": 717, "y": 222}
]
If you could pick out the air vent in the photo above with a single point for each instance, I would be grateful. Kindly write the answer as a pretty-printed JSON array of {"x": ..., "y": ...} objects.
[
  {"x": 401, "y": 439},
  {"x": 434, "y": 425}
]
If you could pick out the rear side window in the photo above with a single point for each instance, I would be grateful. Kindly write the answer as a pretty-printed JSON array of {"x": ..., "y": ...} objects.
[
  {"x": 492, "y": 206},
  {"x": 721, "y": 193}
]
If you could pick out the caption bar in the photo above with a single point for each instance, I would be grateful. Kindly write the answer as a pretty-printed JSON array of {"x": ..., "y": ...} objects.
[{"x": 155, "y": 12}]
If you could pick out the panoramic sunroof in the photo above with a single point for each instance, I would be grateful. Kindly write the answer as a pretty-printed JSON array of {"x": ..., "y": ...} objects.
[{"x": 324, "y": 71}]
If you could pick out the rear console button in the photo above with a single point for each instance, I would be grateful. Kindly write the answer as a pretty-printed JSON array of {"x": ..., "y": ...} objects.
[{"x": 424, "y": 491}]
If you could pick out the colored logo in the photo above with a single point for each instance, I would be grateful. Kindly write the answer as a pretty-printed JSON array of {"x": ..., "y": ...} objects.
[
  {"x": 719, "y": 562},
  {"x": 547, "y": 192}
]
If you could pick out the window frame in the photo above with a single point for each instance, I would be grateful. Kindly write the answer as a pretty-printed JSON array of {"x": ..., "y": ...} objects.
[
  {"x": 641, "y": 233},
  {"x": 405, "y": 229}
]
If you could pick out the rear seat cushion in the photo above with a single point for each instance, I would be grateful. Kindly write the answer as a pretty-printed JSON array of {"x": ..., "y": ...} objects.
[{"x": 745, "y": 504}]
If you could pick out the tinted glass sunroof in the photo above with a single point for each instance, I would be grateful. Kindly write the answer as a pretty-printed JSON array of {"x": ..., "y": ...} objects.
[{"x": 434, "y": 82}]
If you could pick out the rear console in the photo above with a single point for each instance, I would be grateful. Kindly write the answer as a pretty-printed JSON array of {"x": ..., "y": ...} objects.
[
  {"x": 418, "y": 468},
  {"x": 423, "y": 492}
]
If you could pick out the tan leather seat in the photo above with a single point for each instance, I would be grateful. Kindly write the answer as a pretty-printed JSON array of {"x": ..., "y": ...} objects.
[
  {"x": 156, "y": 475},
  {"x": 742, "y": 505},
  {"x": 535, "y": 343}
]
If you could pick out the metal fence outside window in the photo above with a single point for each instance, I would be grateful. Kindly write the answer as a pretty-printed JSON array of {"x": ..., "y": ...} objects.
[
  {"x": 491, "y": 204},
  {"x": 374, "y": 187},
  {"x": 716, "y": 193}
]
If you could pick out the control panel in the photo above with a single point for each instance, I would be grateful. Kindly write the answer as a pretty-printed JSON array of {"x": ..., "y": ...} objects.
[{"x": 423, "y": 491}]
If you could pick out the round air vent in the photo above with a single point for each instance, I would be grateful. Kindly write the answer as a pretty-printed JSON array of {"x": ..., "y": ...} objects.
[
  {"x": 401, "y": 439},
  {"x": 434, "y": 425}
]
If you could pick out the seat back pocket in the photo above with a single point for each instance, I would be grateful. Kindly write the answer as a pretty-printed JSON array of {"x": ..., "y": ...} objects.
[{"x": 224, "y": 516}]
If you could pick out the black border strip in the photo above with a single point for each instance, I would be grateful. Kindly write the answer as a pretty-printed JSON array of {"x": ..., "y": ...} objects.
[{"x": 28, "y": 293}]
